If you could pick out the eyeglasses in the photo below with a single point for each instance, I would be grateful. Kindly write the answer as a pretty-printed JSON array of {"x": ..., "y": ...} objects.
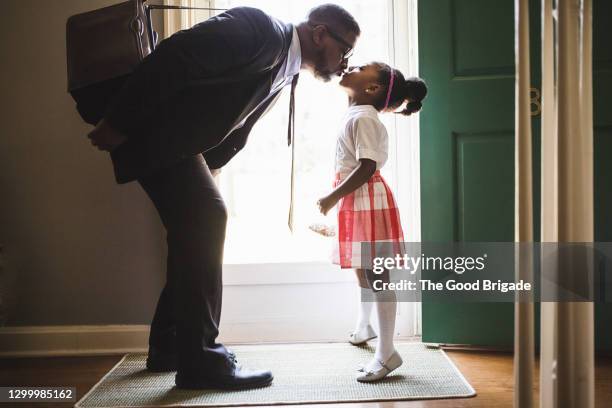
[{"x": 349, "y": 48}]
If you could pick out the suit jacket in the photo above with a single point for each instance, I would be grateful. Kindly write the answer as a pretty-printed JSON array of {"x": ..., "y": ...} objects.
[{"x": 186, "y": 96}]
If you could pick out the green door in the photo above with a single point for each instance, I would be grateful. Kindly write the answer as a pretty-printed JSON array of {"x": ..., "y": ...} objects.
[
  {"x": 602, "y": 144},
  {"x": 466, "y": 55}
]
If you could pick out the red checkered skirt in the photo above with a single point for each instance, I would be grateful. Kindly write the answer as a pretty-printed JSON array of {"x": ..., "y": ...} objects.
[{"x": 367, "y": 215}]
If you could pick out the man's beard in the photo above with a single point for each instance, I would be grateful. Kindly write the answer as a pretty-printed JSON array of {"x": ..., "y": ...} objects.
[{"x": 320, "y": 70}]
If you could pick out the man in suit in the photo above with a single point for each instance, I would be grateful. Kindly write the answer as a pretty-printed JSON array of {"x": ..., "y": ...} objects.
[{"x": 187, "y": 110}]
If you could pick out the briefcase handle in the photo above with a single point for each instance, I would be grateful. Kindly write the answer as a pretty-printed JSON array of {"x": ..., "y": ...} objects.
[{"x": 149, "y": 7}]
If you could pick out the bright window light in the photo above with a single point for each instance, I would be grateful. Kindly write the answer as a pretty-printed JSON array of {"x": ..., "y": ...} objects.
[{"x": 255, "y": 184}]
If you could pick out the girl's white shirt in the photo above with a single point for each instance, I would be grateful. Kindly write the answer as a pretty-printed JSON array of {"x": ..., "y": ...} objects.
[{"x": 362, "y": 136}]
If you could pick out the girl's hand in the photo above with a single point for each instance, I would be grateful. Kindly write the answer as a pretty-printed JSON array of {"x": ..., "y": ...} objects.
[{"x": 326, "y": 203}]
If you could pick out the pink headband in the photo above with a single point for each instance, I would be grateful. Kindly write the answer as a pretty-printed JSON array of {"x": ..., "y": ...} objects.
[{"x": 389, "y": 90}]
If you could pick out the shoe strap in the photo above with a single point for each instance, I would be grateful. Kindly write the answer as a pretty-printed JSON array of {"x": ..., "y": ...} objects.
[
  {"x": 370, "y": 372},
  {"x": 383, "y": 364}
]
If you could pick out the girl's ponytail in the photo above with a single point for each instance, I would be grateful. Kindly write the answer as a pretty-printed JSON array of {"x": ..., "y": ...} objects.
[
  {"x": 397, "y": 90},
  {"x": 414, "y": 91}
]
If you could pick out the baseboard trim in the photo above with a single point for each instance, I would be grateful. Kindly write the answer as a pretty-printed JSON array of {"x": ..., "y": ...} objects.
[
  {"x": 65, "y": 341},
  {"x": 47, "y": 341}
]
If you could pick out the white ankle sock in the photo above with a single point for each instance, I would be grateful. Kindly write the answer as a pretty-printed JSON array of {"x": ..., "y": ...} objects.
[
  {"x": 363, "y": 317},
  {"x": 386, "y": 307}
]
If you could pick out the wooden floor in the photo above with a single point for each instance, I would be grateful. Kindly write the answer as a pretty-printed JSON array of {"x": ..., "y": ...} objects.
[{"x": 490, "y": 373}]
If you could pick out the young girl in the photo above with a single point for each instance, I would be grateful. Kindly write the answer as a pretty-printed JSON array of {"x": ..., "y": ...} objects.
[{"x": 367, "y": 211}]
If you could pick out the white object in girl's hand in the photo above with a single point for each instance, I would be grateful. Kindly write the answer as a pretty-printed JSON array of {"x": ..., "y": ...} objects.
[{"x": 325, "y": 230}]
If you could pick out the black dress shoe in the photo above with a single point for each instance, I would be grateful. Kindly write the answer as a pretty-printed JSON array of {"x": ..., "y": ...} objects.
[
  {"x": 159, "y": 361},
  {"x": 230, "y": 377}
]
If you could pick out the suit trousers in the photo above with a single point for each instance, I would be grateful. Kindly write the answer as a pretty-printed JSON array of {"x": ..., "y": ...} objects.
[{"x": 193, "y": 213}]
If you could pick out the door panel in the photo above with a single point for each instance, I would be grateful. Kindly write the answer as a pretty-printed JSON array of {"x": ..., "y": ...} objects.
[{"x": 473, "y": 153}]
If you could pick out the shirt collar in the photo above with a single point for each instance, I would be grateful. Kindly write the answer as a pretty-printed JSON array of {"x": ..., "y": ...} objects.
[{"x": 294, "y": 57}]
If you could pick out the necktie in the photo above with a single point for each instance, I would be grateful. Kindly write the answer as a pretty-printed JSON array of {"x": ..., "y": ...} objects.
[{"x": 291, "y": 142}]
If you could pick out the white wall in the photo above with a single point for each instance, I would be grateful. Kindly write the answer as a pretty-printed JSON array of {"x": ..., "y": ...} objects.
[{"x": 80, "y": 249}]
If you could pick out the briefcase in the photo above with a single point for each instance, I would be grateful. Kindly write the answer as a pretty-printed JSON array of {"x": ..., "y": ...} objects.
[{"x": 103, "y": 47}]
